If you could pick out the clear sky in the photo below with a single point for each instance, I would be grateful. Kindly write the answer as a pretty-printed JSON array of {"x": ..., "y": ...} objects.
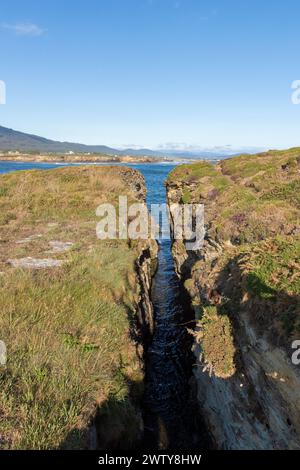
[{"x": 152, "y": 72}]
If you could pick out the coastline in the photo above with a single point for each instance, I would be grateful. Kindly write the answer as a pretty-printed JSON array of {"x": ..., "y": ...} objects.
[{"x": 77, "y": 158}]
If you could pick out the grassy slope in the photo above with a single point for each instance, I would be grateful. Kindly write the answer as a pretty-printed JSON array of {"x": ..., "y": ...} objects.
[
  {"x": 66, "y": 329},
  {"x": 252, "y": 209}
]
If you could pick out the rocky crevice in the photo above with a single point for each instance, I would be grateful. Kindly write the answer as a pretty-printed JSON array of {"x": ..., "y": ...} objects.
[{"x": 146, "y": 266}]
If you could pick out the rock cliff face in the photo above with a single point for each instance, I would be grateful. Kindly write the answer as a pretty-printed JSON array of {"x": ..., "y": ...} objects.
[
  {"x": 146, "y": 264},
  {"x": 145, "y": 267},
  {"x": 109, "y": 431},
  {"x": 244, "y": 287}
]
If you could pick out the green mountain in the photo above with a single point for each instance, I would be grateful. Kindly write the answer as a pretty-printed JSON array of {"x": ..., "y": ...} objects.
[{"x": 15, "y": 140}]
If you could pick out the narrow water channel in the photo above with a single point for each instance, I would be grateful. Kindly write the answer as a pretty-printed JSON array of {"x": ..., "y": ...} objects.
[{"x": 169, "y": 418}]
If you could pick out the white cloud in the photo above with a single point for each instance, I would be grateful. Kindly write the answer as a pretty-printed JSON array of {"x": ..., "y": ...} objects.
[
  {"x": 197, "y": 148},
  {"x": 24, "y": 29}
]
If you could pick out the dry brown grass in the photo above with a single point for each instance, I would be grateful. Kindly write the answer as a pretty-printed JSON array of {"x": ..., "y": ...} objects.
[{"x": 66, "y": 329}]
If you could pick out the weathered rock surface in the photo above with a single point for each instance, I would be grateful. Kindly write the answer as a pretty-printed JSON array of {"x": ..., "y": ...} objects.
[
  {"x": 135, "y": 180},
  {"x": 33, "y": 263},
  {"x": 29, "y": 239},
  {"x": 60, "y": 247}
]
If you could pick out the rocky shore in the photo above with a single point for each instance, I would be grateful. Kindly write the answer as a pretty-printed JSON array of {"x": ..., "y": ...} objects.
[{"x": 76, "y": 158}]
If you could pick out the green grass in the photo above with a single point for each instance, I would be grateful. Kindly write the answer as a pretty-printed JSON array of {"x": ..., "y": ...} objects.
[
  {"x": 200, "y": 180},
  {"x": 253, "y": 196},
  {"x": 67, "y": 329},
  {"x": 245, "y": 166},
  {"x": 252, "y": 208},
  {"x": 191, "y": 172},
  {"x": 275, "y": 267},
  {"x": 216, "y": 339},
  {"x": 271, "y": 270},
  {"x": 186, "y": 196},
  {"x": 289, "y": 192}
]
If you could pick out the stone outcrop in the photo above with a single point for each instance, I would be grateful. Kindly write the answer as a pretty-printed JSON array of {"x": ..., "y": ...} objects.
[{"x": 34, "y": 263}]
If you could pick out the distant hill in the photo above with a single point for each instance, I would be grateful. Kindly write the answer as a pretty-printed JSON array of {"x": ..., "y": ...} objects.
[{"x": 15, "y": 140}]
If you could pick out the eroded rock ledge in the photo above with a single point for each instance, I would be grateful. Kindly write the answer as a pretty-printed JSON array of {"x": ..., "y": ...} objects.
[{"x": 244, "y": 287}]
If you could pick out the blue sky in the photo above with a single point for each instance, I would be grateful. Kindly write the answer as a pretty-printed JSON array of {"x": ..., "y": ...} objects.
[{"x": 152, "y": 73}]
